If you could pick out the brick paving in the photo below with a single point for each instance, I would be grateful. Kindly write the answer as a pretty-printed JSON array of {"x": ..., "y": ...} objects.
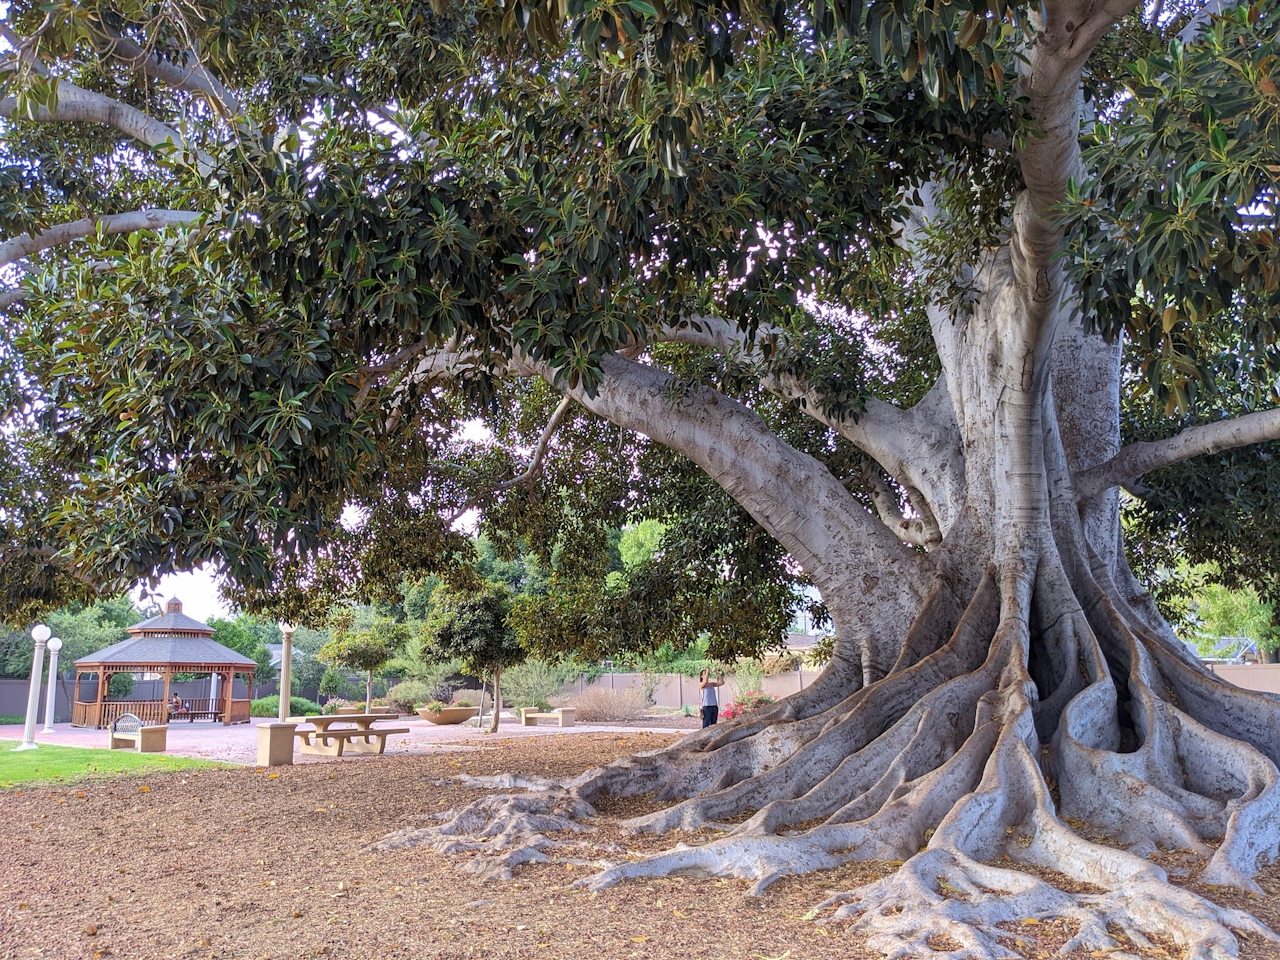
[{"x": 239, "y": 743}]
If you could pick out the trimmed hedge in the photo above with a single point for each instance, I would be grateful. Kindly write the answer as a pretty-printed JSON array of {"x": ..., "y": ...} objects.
[{"x": 270, "y": 707}]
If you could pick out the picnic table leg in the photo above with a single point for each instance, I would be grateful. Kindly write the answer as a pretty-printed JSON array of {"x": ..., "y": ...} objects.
[{"x": 316, "y": 744}]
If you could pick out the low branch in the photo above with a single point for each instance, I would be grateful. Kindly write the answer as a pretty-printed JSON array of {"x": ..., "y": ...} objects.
[
  {"x": 1139, "y": 458},
  {"x": 12, "y": 298},
  {"x": 27, "y": 244},
  {"x": 919, "y": 447}
]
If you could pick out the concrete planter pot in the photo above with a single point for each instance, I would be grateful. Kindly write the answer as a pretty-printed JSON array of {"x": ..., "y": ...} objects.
[{"x": 448, "y": 714}]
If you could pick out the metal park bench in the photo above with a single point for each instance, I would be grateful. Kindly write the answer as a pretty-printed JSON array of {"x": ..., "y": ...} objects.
[{"x": 127, "y": 732}]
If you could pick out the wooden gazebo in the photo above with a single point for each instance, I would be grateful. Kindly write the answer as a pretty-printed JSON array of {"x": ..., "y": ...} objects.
[{"x": 166, "y": 644}]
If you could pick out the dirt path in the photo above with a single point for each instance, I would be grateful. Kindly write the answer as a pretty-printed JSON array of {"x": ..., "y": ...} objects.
[{"x": 250, "y": 863}]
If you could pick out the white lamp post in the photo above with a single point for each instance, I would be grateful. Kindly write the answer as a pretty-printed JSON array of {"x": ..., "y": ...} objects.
[
  {"x": 286, "y": 668},
  {"x": 54, "y": 646},
  {"x": 39, "y": 633},
  {"x": 275, "y": 740}
]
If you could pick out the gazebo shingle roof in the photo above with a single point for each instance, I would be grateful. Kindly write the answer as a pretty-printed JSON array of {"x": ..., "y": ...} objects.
[
  {"x": 171, "y": 638},
  {"x": 170, "y": 621},
  {"x": 174, "y": 650}
]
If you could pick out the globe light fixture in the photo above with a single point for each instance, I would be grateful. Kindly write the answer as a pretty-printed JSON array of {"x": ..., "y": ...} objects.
[
  {"x": 50, "y": 697},
  {"x": 40, "y": 634}
]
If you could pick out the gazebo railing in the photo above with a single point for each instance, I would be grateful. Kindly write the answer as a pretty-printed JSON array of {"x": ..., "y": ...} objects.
[
  {"x": 84, "y": 714},
  {"x": 152, "y": 711}
]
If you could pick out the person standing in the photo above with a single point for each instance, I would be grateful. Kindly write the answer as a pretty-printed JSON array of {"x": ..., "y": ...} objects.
[{"x": 710, "y": 696}]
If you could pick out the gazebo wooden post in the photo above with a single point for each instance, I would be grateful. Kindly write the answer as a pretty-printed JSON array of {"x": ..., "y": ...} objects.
[
  {"x": 103, "y": 680},
  {"x": 164, "y": 710},
  {"x": 226, "y": 700}
]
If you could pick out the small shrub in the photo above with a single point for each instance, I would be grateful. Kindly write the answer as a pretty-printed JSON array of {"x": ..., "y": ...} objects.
[
  {"x": 745, "y": 703},
  {"x": 444, "y": 691},
  {"x": 407, "y": 695},
  {"x": 464, "y": 702},
  {"x": 600, "y": 703},
  {"x": 435, "y": 706},
  {"x": 332, "y": 706},
  {"x": 270, "y": 707},
  {"x": 533, "y": 682}
]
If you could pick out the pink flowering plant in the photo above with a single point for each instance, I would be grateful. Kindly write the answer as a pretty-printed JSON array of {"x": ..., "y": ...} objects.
[{"x": 745, "y": 703}]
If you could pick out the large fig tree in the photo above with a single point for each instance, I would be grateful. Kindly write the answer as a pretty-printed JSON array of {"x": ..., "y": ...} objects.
[{"x": 845, "y": 292}]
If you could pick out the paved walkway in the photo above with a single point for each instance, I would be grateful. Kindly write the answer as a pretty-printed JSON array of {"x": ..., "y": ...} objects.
[{"x": 239, "y": 743}]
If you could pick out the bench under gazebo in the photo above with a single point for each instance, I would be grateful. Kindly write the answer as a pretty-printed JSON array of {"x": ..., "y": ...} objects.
[{"x": 168, "y": 644}]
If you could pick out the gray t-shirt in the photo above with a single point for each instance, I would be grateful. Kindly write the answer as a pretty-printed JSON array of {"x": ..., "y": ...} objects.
[{"x": 710, "y": 697}]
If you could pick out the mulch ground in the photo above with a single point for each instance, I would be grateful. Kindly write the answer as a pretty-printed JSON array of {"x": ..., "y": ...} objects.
[{"x": 250, "y": 863}]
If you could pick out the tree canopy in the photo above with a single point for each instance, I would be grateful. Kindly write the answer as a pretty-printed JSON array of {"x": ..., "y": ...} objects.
[{"x": 886, "y": 299}]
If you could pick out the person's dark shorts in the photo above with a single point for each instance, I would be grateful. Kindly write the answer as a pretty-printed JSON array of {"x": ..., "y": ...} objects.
[{"x": 709, "y": 715}]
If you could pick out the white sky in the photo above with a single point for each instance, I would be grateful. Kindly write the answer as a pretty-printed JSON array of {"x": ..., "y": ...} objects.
[{"x": 198, "y": 592}]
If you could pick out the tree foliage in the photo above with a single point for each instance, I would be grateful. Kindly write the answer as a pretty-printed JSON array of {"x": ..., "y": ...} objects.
[{"x": 474, "y": 629}]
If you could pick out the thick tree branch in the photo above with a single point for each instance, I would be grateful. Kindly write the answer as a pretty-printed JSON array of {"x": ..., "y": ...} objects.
[
  {"x": 919, "y": 447},
  {"x": 77, "y": 105},
  {"x": 1067, "y": 31},
  {"x": 790, "y": 494},
  {"x": 1139, "y": 458},
  {"x": 24, "y": 246}
]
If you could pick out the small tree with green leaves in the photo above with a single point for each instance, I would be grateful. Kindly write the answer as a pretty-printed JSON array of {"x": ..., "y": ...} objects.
[
  {"x": 475, "y": 629},
  {"x": 366, "y": 650}
]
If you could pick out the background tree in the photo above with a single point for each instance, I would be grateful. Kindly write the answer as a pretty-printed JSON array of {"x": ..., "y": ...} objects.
[
  {"x": 474, "y": 628},
  {"x": 367, "y": 650},
  {"x": 244, "y": 635},
  {"x": 846, "y": 294}
]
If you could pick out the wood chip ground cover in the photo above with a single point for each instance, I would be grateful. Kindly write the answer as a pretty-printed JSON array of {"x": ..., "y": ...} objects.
[{"x": 251, "y": 863}]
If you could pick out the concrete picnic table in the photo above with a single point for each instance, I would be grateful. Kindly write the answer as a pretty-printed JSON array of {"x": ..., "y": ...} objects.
[{"x": 330, "y": 733}]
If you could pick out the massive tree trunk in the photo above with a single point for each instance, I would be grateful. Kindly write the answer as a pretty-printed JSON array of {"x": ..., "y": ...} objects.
[{"x": 985, "y": 696}]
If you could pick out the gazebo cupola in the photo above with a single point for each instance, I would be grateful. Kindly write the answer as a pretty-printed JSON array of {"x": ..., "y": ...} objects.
[
  {"x": 171, "y": 623},
  {"x": 168, "y": 643}
]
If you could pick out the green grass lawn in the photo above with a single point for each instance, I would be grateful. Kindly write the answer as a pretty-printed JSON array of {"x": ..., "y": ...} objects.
[{"x": 53, "y": 764}]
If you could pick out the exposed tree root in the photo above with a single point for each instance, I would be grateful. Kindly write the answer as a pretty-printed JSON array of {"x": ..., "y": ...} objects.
[
  {"x": 949, "y": 764},
  {"x": 941, "y": 893}
]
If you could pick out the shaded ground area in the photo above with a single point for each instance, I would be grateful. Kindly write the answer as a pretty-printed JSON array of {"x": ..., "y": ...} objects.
[{"x": 252, "y": 863}]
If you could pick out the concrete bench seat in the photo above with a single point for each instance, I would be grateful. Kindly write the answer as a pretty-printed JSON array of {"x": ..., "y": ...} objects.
[
  {"x": 128, "y": 733},
  {"x": 564, "y": 716}
]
